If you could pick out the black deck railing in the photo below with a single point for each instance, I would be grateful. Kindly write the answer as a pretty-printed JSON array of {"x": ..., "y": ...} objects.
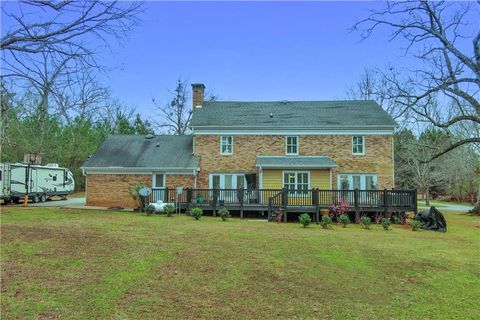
[{"x": 311, "y": 200}]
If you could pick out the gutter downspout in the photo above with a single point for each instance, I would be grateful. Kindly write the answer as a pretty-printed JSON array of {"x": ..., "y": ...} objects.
[{"x": 195, "y": 178}]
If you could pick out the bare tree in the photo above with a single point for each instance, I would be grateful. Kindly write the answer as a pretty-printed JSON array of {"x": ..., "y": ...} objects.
[
  {"x": 417, "y": 154},
  {"x": 6, "y": 106},
  {"x": 373, "y": 86},
  {"x": 175, "y": 115},
  {"x": 446, "y": 68},
  {"x": 67, "y": 26},
  {"x": 47, "y": 41},
  {"x": 49, "y": 51}
]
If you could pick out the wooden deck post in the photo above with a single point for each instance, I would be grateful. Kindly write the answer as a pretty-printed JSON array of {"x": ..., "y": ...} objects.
[
  {"x": 315, "y": 202},
  {"x": 215, "y": 202},
  {"x": 269, "y": 209},
  {"x": 415, "y": 201},
  {"x": 385, "y": 200},
  {"x": 284, "y": 203},
  {"x": 240, "y": 197},
  {"x": 165, "y": 195},
  {"x": 356, "y": 204},
  {"x": 189, "y": 199}
]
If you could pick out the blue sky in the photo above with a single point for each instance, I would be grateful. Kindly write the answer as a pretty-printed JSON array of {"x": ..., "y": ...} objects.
[{"x": 246, "y": 51}]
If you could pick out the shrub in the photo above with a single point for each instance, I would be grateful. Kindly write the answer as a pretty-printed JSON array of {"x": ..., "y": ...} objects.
[
  {"x": 169, "y": 209},
  {"x": 224, "y": 214},
  {"x": 133, "y": 191},
  {"x": 305, "y": 219},
  {"x": 344, "y": 219},
  {"x": 338, "y": 210},
  {"x": 326, "y": 222},
  {"x": 196, "y": 213},
  {"x": 396, "y": 220},
  {"x": 150, "y": 209},
  {"x": 416, "y": 225},
  {"x": 366, "y": 222},
  {"x": 386, "y": 223}
]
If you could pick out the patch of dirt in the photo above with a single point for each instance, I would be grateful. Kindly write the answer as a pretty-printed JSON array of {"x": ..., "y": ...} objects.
[
  {"x": 66, "y": 242},
  {"x": 48, "y": 315},
  {"x": 53, "y": 265}
]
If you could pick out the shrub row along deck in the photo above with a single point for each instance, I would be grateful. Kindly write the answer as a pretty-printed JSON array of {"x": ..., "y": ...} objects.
[{"x": 303, "y": 201}]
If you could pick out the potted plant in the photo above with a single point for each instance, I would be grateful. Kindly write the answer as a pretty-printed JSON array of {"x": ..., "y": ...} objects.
[{"x": 325, "y": 212}]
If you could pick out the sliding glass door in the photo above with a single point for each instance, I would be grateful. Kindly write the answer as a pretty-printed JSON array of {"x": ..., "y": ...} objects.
[{"x": 228, "y": 184}]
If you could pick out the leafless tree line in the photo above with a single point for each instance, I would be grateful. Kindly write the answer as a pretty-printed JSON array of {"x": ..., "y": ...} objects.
[
  {"x": 442, "y": 89},
  {"x": 50, "y": 56}
]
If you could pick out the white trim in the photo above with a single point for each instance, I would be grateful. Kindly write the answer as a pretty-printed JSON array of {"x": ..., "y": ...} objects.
[
  {"x": 297, "y": 145},
  {"x": 164, "y": 180},
  {"x": 260, "y": 178},
  {"x": 210, "y": 180},
  {"x": 136, "y": 170},
  {"x": 221, "y": 141},
  {"x": 393, "y": 161},
  {"x": 331, "y": 179},
  {"x": 296, "y": 166},
  {"x": 364, "y": 146},
  {"x": 296, "y": 181},
  {"x": 350, "y": 179},
  {"x": 293, "y": 132},
  {"x": 145, "y": 173}
]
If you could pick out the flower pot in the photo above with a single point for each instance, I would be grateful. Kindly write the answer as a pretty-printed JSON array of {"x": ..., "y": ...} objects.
[{"x": 325, "y": 212}]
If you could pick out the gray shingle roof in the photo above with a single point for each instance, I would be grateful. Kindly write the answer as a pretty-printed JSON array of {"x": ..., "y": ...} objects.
[
  {"x": 136, "y": 151},
  {"x": 295, "y": 162},
  {"x": 290, "y": 114}
]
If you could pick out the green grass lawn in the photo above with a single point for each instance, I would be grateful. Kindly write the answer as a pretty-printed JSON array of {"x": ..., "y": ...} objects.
[
  {"x": 443, "y": 204},
  {"x": 73, "y": 264}
]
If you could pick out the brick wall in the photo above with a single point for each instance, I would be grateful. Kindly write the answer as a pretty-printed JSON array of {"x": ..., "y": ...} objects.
[
  {"x": 377, "y": 158},
  {"x": 177, "y": 180},
  {"x": 111, "y": 190}
]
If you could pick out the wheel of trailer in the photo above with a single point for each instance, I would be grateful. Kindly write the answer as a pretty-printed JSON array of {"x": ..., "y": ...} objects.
[
  {"x": 36, "y": 198},
  {"x": 15, "y": 200},
  {"x": 43, "y": 198}
]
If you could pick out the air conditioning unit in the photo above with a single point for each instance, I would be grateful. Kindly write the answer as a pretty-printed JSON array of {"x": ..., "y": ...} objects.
[{"x": 52, "y": 165}]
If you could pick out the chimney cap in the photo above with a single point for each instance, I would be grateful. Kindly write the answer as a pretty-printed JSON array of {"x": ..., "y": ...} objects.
[{"x": 198, "y": 85}]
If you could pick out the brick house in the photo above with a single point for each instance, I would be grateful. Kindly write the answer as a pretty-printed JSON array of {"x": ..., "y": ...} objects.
[{"x": 300, "y": 145}]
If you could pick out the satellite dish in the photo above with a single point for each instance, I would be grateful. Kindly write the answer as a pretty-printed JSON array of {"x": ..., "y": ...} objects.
[{"x": 144, "y": 192}]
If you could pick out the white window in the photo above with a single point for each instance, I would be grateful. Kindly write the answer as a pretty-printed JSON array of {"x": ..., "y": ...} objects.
[
  {"x": 358, "y": 145},
  {"x": 226, "y": 145},
  {"x": 296, "y": 182},
  {"x": 158, "y": 180},
  {"x": 291, "y": 145},
  {"x": 357, "y": 181}
]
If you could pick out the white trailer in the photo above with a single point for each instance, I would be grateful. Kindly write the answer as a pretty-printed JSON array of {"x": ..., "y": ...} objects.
[{"x": 38, "y": 182}]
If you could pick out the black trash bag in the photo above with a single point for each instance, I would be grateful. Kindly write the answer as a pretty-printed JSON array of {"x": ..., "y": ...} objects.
[{"x": 432, "y": 219}]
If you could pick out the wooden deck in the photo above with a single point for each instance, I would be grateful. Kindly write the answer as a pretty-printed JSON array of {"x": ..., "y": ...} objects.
[{"x": 291, "y": 201}]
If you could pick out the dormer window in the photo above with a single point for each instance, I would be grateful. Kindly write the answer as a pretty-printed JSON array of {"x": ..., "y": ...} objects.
[
  {"x": 226, "y": 145},
  {"x": 358, "y": 145},
  {"x": 291, "y": 145}
]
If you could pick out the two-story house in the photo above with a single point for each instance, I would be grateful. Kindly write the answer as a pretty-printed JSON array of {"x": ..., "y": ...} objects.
[{"x": 300, "y": 145}]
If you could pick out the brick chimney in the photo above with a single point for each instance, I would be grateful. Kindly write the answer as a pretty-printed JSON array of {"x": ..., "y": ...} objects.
[{"x": 198, "y": 91}]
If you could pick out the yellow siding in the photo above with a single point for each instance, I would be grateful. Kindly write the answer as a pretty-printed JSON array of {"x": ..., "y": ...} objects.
[
  {"x": 320, "y": 179},
  {"x": 272, "y": 179}
]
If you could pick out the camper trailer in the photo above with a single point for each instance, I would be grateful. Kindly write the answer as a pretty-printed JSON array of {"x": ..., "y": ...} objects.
[{"x": 38, "y": 182}]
